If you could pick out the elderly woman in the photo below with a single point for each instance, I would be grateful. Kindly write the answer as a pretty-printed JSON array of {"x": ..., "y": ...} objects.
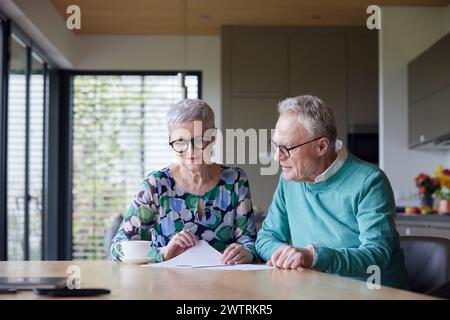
[
  {"x": 193, "y": 199},
  {"x": 331, "y": 211}
]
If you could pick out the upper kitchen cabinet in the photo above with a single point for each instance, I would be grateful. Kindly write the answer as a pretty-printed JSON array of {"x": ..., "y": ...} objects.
[
  {"x": 318, "y": 67},
  {"x": 429, "y": 119},
  {"x": 429, "y": 96},
  {"x": 430, "y": 72},
  {"x": 259, "y": 65},
  {"x": 362, "y": 59},
  {"x": 337, "y": 64}
]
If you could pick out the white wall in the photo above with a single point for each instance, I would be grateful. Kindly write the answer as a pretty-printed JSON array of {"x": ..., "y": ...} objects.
[
  {"x": 156, "y": 53},
  {"x": 405, "y": 33},
  {"x": 43, "y": 23}
]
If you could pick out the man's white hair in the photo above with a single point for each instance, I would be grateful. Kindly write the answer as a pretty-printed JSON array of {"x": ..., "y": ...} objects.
[{"x": 314, "y": 114}]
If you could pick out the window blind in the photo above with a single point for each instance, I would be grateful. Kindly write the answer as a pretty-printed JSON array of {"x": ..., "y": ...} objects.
[
  {"x": 36, "y": 157},
  {"x": 119, "y": 135},
  {"x": 16, "y": 148}
]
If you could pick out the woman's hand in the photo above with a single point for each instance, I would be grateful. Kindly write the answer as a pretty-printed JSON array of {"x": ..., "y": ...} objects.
[
  {"x": 236, "y": 254},
  {"x": 179, "y": 243}
]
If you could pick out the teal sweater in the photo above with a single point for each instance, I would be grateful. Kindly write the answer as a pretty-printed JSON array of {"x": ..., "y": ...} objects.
[{"x": 349, "y": 218}]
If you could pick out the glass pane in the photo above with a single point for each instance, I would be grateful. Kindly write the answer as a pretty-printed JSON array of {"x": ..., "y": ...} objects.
[
  {"x": 36, "y": 156},
  {"x": 2, "y": 235},
  {"x": 119, "y": 135},
  {"x": 1, "y": 66},
  {"x": 16, "y": 151}
]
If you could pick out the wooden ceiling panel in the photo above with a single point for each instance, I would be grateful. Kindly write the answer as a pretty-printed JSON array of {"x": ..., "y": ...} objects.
[{"x": 205, "y": 17}]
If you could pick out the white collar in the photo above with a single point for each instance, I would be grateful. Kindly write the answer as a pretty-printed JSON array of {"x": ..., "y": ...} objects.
[{"x": 342, "y": 155}]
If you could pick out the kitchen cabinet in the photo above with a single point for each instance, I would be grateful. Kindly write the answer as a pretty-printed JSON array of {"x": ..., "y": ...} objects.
[
  {"x": 429, "y": 118},
  {"x": 429, "y": 94},
  {"x": 430, "y": 71},
  {"x": 259, "y": 66},
  {"x": 320, "y": 70},
  {"x": 243, "y": 111},
  {"x": 337, "y": 64},
  {"x": 362, "y": 79}
]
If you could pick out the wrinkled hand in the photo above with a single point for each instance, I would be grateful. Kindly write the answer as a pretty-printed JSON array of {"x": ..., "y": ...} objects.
[
  {"x": 180, "y": 243},
  {"x": 236, "y": 254},
  {"x": 289, "y": 257}
]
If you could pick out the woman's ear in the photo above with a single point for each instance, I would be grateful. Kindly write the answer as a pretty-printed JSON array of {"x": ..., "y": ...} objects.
[{"x": 211, "y": 135}]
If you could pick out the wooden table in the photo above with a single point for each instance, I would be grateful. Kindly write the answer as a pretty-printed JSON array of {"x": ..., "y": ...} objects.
[{"x": 136, "y": 282}]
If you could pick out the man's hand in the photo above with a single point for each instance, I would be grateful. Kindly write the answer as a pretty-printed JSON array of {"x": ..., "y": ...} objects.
[
  {"x": 289, "y": 257},
  {"x": 236, "y": 254},
  {"x": 179, "y": 243}
]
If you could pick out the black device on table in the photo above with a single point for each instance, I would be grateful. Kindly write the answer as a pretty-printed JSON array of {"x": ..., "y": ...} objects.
[{"x": 66, "y": 292}]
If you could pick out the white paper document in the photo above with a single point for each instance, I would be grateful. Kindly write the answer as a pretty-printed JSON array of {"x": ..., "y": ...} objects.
[
  {"x": 203, "y": 256},
  {"x": 243, "y": 267}
]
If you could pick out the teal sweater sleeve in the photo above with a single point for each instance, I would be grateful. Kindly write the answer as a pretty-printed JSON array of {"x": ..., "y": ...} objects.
[
  {"x": 275, "y": 229},
  {"x": 375, "y": 217}
]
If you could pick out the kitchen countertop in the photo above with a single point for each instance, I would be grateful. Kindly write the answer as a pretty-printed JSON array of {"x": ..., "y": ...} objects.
[{"x": 420, "y": 217}]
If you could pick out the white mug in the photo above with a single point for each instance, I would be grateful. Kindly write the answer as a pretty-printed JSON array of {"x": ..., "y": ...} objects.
[{"x": 133, "y": 249}]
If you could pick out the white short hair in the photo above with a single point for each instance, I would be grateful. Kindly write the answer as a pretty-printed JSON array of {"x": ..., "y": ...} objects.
[
  {"x": 190, "y": 110},
  {"x": 314, "y": 114}
]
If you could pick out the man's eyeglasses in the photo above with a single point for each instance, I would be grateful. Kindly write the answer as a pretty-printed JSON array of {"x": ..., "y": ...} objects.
[
  {"x": 285, "y": 150},
  {"x": 182, "y": 145}
]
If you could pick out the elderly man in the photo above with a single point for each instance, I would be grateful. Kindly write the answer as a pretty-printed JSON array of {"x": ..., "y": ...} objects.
[{"x": 331, "y": 211}]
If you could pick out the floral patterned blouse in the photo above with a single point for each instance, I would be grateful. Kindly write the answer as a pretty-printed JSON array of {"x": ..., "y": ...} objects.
[{"x": 161, "y": 209}]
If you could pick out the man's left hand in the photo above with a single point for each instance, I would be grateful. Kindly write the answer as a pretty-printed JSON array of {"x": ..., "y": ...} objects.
[{"x": 289, "y": 257}]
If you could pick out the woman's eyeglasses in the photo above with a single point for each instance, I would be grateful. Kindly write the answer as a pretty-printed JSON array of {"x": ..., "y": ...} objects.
[
  {"x": 182, "y": 145},
  {"x": 285, "y": 150}
]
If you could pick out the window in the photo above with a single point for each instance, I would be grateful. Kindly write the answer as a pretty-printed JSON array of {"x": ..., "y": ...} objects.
[
  {"x": 3, "y": 131},
  {"x": 16, "y": 150},
  {"x": 25, "y": 158},
  {"x": 119, "y": 135},
  {"x": 36, "y": 156}
]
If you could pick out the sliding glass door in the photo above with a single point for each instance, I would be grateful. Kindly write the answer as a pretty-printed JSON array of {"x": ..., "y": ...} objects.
[
  {"x": 16, "y": 143},
  {"x": 25, "y": 152}
]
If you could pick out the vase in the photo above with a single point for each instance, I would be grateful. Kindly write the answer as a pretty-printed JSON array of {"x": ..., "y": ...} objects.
[
  {"x": 426, "y": 200},
  {"x": 444, "y": 206}
]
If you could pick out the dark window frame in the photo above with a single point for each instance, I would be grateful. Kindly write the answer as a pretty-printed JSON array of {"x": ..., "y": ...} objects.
[
  {"x": 9, "y": 29},
  {"x": 6, "y": 26}
]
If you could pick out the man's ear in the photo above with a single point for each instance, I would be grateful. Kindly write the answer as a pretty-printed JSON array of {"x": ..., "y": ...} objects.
[{"x": 323, "y": 145}]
